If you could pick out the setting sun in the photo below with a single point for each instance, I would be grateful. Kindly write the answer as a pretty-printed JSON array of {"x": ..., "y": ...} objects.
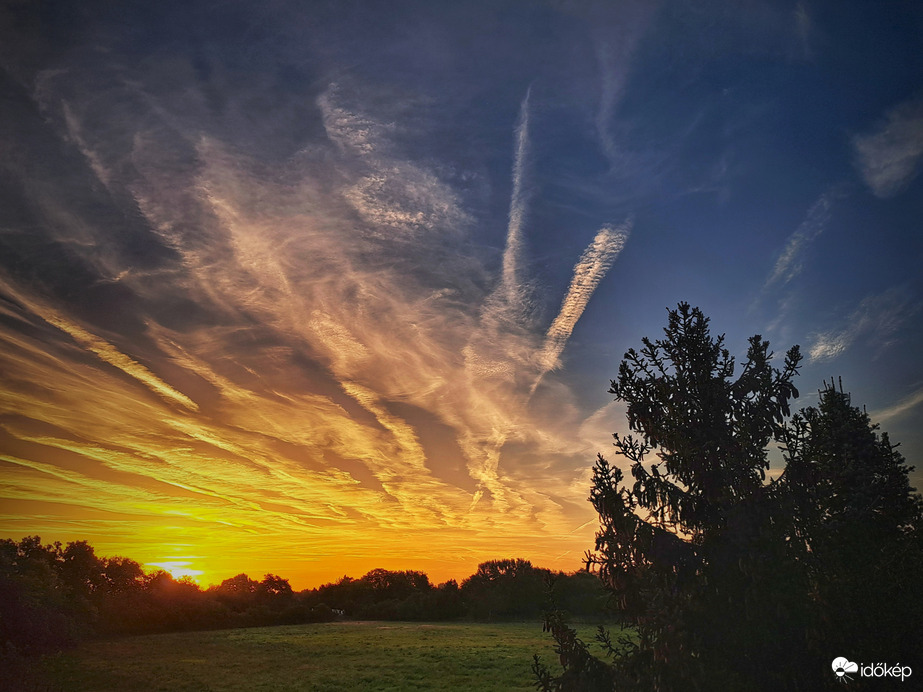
[{"x": 178, "y": 568}]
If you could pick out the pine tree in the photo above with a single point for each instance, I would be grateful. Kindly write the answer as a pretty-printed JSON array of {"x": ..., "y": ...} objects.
[
  {"x": 685, "y": 549},
  {"x": 727, "y": 581},
  {"x": 860, "y": 525}
]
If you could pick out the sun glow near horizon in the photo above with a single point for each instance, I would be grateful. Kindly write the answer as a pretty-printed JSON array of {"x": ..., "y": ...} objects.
[
  {"x": 337, "y": 409},
  {"x": 353, "y": 301},
  {"x": 179, "y": 569}
]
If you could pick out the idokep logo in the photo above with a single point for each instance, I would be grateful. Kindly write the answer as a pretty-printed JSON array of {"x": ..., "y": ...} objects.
[{"x": 842, "y": 668}]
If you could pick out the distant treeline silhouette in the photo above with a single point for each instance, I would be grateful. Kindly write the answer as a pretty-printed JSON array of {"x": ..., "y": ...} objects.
[{"x": 53, "y": 595}]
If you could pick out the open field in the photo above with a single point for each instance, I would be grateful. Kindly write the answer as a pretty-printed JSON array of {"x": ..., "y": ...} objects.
[{"x": 331, "y": 656}]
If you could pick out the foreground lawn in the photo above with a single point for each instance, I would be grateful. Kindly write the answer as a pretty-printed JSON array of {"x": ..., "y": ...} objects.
[{"x": 331, "y": 656}]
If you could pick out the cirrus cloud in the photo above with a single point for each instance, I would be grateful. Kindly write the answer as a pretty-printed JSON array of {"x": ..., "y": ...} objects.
[{"x": 888, "y": 157}]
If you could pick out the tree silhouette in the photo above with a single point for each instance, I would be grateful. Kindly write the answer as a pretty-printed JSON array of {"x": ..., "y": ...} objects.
[
  {"x": 122, "y": 575},
  {"x": 387, "y": 584},
  {"x": 860, "y": 528},
  {"x": 81, "y": 570},
  {"x": 37, "y": 612},
  {"x": 274, "y": 588},
  {"x": 692, "y": 517},
  {"x": 505, "y": 588},
  {"x": 238, "y": 585},
  {"x": 726, "y": 579},
  {"x": 238, "y": 592}
]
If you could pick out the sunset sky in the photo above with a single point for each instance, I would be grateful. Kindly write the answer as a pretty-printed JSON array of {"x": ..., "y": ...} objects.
[{"x": 317, "y": 287}]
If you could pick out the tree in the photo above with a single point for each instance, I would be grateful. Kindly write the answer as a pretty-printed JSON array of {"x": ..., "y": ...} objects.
[
  {"x": 388, "y": 585},
  {"x": 846, "y": 477},
  {"x": 860, "y": 527},
  {"x": 36, "y": 613},
  {"x": 122, "y": 574},
  {"x": 237, "y": 593},
  {"x": 238, "y": 585},
  {"x": 683, "y": 548},
  {"x": 729, "y": 581},
  {"x": 81, "y": 570},
  {"x": 275, "y": 590},
  {"x": 505, "y": 588}
]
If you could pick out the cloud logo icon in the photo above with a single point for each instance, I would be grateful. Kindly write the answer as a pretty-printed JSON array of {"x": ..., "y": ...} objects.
[{"x": 842, "y": 666}]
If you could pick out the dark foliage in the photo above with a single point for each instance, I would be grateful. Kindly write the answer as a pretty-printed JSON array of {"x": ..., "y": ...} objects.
[
  {"x": 859, "y": 527},
  {"x": 729, "y": 581},
  {"x": 50, "y": 596},
  {"x": 499, "y": 590},
  {"x": 505, "y": 589},
  {"x": 53, "y": 595},
  {"x": 43, "y": 603}
]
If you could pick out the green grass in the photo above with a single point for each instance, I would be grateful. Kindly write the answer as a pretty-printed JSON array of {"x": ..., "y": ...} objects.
[{"x": 331, "y": 656}]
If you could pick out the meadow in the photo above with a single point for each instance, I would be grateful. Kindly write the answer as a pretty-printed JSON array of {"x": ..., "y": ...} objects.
[{"x": 328, "y": 656}]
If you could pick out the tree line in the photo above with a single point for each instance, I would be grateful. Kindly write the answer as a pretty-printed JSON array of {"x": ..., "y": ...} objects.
[{"x": 52, "y": 595}]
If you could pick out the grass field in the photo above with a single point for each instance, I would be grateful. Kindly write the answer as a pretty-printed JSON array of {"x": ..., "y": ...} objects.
[{"x": 331, "y": 656}]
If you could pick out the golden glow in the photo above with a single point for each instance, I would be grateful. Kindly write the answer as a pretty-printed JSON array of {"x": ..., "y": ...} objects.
[
  {"x": 332, "y": 413},
  {"x": 178, "y": 568}
]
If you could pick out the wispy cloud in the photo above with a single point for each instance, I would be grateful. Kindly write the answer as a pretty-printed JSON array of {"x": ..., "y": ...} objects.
[
  {"x": 615, "y": 48},
  {"x": 791, "y": 260},
  {"x": 888, "y": 157},
  {"x": 329, "y": 315},
  {"x": 393, "y": 195},
  {"x": 612, "y": 81},
  {"x": 73, "y": 131},
  {"x": 512, "y": 253},
  {"x": 879, "y": 316},
  {"x": 614, "y": 59},
  {"x": 803, "y": 29},
  {"x": 590, "y": 269},
  {"x": 104, "y": 350},
  {"x": 906, "y": 404}
]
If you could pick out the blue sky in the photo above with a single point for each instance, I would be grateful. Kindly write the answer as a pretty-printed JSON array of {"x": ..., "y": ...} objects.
[{"x": 354, "y": 276}]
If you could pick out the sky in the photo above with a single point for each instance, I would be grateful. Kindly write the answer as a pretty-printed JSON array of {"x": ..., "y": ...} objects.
[{"x": 312, "y": 288}]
